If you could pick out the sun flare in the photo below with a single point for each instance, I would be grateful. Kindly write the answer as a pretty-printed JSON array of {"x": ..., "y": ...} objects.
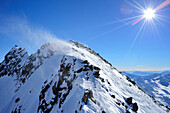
[{"x": 149, "y": 13}]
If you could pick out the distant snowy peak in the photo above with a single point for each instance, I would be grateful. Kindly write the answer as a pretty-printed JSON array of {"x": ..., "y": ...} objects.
[{"x": 155, "y": 84}]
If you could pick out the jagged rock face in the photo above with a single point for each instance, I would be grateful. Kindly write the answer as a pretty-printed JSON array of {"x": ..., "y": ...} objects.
[
  {"x": 63, "y": 83},
  {"x": 17, "y": 63},
  {"x": 13, "y": 61},
  {"x": 61, "y": 87},
  {"x": 73, "y": 80}
]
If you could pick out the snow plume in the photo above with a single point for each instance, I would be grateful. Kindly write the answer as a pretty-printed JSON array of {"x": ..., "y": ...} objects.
[{"x": 26, "y": 34}]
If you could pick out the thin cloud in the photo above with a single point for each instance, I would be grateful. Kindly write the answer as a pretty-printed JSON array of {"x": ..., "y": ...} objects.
[{"x": 23, "y": 32}]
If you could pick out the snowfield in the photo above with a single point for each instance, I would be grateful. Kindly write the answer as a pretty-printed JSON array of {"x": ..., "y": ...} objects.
[{"x": 68, "y": 77}]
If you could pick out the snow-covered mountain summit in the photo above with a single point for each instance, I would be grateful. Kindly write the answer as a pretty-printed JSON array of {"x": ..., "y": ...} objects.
[{"x": 68, "y": 77}]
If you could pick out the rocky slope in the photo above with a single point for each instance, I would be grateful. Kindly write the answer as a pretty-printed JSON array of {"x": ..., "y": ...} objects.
[{"x": 69, "y": 78}]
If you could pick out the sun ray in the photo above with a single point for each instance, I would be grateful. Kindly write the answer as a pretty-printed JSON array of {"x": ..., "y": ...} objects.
[
  {"x": 134, "y": 41},
  {"x": 122, "y": 20},
  {"x": 155, "y": 28},
  {"x": 157, "y": 31},
  {"x": 148, "y": 14},
  {"x": 137, "y": 21},
  {"x": 145, "y": 3},
  {"x": 162, "y": 10},
  {"x": 158, "y": 20},
  {"x": 162, "y": 18},
  {"x": 154, "y": 4},
  {"x": 134, "y": 5},
  {"x": 139, "y": 5},
  {"x": 165, "y": 3},
  {"x": 104, "y": 33}
]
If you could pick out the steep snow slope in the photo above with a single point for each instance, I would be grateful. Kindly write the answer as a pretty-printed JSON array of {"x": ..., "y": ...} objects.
[
  {"x": 155, "y": 84},
  {"x": 10, "y": 66},
  {"x": 70, "y": 78}
]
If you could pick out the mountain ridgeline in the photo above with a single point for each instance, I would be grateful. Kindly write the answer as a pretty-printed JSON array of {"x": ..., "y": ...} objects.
[{"x": 68, "y": 77}]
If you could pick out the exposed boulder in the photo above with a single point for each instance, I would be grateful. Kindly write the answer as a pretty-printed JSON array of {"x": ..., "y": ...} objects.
[
  {"x": 129, "y": 100},
  {"x": 113, "y": 96},
  {"x": 135, "y": 107},
  {"x": 88, "y": 94},
  {"x": 85, "y": 97},
  {"x": 17, "y": 100},
  {"x": 103, "y": 111},
  {"x": 55, "y": 92}
]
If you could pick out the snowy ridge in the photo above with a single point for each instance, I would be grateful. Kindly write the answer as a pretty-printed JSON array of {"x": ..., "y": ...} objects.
[{"x": 71, "y": 78}]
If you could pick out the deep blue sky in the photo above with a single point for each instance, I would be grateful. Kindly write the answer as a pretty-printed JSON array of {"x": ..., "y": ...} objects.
[{"x": 91, "y": 22}]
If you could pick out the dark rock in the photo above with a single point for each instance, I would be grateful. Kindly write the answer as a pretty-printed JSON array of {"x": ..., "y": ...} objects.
[
  {"x": 113, "y": 96},
  {"x": 102, "y": 80},
  {"x": 123, "y": 104},
  {"x": 85, "y": 62},
  {"x": 127, "y": 111},
  {"x": 103, "y": 111},
  {"x": 85, "y": 97},
  {"x": 135, "y": 107},
  {"x": 91, "y": 67},
  {"x": 80, "y": 107},
  {"x": 85, "y": 69},
  {"x": 96, "y": 74},
  {"x": 117, "y": 103},
  {"x": 55, "y": 91},
  {"x": 80, "y": 70},
  {"x": 129, "y": 100},
  {"x": 90, "y": 94},
  {"x": 96, "y": 68},
  {"x": 130, "y": 80},
  {"x": 2, "y": 67},
  {"x": 17, "y": 100},
  {"x": 167, "y": 108}
]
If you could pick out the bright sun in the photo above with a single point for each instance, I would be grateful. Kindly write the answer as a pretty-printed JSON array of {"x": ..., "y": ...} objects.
[{"x": 149, "y": 13}]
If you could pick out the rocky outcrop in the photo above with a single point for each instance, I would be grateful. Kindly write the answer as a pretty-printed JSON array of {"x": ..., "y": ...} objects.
[{"x": 134, "y": 105}]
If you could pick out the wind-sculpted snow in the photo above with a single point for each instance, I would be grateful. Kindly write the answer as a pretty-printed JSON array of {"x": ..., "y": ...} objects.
[{"x": 71, "y": 78}]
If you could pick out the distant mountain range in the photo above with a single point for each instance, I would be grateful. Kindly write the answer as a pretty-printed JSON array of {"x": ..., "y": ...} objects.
[
  {"x": 68, "y": 77},
  {"x": 155, "y": 83}
]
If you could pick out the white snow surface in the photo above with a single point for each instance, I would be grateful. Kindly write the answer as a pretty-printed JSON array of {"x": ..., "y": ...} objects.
[{"x": 52, "y": 53}]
